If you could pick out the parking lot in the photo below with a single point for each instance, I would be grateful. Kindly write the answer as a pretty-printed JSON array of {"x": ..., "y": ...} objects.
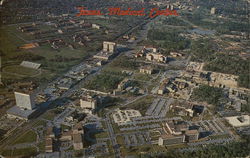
[{"x": 214, "y": 127}]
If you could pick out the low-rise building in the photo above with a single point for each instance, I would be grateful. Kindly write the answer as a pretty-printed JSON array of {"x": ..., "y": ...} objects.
[
  {"x": 122, "y": 117},
  {"x": 162, "y": 89},
  {"x": 75, "y": 136},
  {"x": 156, "y": 57},
  {"x": 223, "y": 80},
  {"x": 239, "y": 121},
  {"x": 77, "y": 141},
  {"x": 123, "y": 84},
  {"x": 95, "y": 26},
  {"x": 50, "y": 133},
  {"x": 191, "y": 135},
  {"x": 183, "y": 111},
  {"x": 177, "y": 132},
  {"x": 186, "y": 109},
  {"x": 195, "y": 66},
  {"x": 88, "y": 102},
  {"x": 171, "y": 140},
  {"x": 49, "y": 145},
  {"x": 29, "y": 46},
  {"x": 176, "y": 54},
  {"x": 49, "y": 138},
  {"x": 175, "y": 127},
  {"x": 147, "y": 70},
  {"x": 152, "y": 54},
  {"x": 66, "y": 136}
]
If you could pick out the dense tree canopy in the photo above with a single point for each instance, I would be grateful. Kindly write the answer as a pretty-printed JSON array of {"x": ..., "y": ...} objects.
[
  {"x": 171, "y": 40},
  {"x": 211, "y": 95},
  {"x": 232, "y": 150}
]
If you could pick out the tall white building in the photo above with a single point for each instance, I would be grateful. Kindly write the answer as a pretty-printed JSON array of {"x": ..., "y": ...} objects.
[
  {"x": 213, "y": 10},
  {"x": 109, "y": 47},
  {"x": 24, "y": 101}
]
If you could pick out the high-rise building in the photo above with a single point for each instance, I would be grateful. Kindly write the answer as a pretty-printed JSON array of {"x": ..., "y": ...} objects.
[
  {"x": 109, "y": 50},
  {"x": 109, "y": 47},
  {"x": 24, "y": 101},
  {"x": 213, "y": 10}
]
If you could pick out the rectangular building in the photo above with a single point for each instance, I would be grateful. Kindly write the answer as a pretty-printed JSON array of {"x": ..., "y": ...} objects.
[
  {"x": 88, "y": 103},
  {"x": 191, "y": 135},
  {"x": 24, "y": 101},
  {"x": 171, "y": 140},
  {"x": 77, "y": 141},
  {"x": 49, "y": 145}
]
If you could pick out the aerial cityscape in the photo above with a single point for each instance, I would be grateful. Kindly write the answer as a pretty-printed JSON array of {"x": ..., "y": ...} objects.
[{"x": 125, "y": 79}]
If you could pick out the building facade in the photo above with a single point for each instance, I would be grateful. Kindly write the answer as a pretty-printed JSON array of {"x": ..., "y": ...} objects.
[{"x": 24, "y": 101}]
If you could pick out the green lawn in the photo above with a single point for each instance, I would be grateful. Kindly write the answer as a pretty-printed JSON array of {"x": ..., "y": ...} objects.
[
  {"x": 141, "y": 104},
  {"x": 64, "y": 127},
  {"x": 143, "y": 77},
  {"x": 40, "y": 123},
  {"x": 49, "y": 115},
  {"x": 223, "y": 136},
  {"x": 20, "y": 70},
  {"x": 28, "y": 137},
  {"x": 27, "y": 152},
  {"x": 11, "y": 38},
  {"x": 41, "y": 146},
  {"x": 102, "y": 135}
]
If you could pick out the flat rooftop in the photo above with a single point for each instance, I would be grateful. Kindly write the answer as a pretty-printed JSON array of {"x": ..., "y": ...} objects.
[
  {"x": 239, "y": 121},
  {"x": 17, "y": 111},
  {"x": 77, "y": 138}
]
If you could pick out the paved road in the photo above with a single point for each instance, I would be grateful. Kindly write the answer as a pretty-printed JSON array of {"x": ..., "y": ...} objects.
[{"x": 112, "y": 136}]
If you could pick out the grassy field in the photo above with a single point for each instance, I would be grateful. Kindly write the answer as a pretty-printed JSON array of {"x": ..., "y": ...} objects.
[
  {"x": 142, "y": 149},
  {"x": 142, "y": 104},
  {"x": 41, "y": 146},
  {"x": 19, "y": 152},
  {"x": 49, "y": 115},
  {"x": 40, "y": 123},
  {"x": 223, "y": 136},
  {"x": 102, "y": 135},
  {"x": 52, "y": 62},
  {"x": 20, "y": 70},
  {"x": 142, "y": 77},
  {"x": 28, "y": 137}
]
